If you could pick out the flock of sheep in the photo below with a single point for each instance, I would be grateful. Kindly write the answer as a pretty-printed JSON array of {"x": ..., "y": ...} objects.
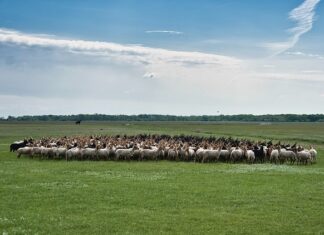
[{"x": 164, "y": 147}]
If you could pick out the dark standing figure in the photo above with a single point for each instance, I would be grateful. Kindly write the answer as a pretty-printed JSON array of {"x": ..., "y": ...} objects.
[{"x": 78, "y": 122}]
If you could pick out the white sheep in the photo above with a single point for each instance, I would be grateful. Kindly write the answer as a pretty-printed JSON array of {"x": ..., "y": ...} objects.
[
  {"x": 124, "y": 154},
  {"x": 172, "y": 154},
  {"x": 224, "y": 155},
  {"x": 313, "y": 153},
  {"x": 304, "y": 156},
  {"x": 274, "y": 156},
  {"x": 103, "y": 153},
  {"x": 149, "y": 154},
  {"x": 60, "y": 152},
  {"x": 236, "y": 155},
  {"x": 28, "y": 151},
  {"x": 73, "y": 153},
  {"x": 250, "y": 156},
  {"x": 210, "y": 155},
  {"x": 286, "y": 155},
  {"x": 192, "y": 153},
  {"x": 184, "y": 153},
  {"x": 200, "y": 153},
  {"x": 89, "y": 153},
  {"x": 37, "y": 151},
  {"x": 47, "y": 153}
]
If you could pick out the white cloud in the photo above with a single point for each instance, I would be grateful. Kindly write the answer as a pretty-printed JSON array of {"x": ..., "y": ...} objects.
[
  {"x": 304, "y": 16},
  {"x": 64, "y": 83},
  {"x": 150, "y": 75},
  {"x": 294, "y": 53},
  {"x": 164, "y": 31},
  {"x": 35, "y": 80},
  {"x": 131, "y": 53}
]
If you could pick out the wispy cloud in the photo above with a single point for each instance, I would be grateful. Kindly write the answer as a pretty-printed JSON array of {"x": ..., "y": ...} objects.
[
  {"x": 304, "y": 16},
  {"x": 132, "y": 53},
  {"x": 312, "y": 71},
  {"x": 298, "y": 53},
  {"x": 164, "y": 31},
  {"x": 301, "y": 76}
]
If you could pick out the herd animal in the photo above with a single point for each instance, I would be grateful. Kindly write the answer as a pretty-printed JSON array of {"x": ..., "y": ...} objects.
[
  {"x": 164, "y": 147},
  {"x": 19, "y": 144}
]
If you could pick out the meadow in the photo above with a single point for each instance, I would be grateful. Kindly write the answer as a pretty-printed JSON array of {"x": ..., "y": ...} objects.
[{"x": 59, "y": 197}]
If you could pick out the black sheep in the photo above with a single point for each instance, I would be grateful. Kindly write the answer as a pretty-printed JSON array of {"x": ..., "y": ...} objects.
[
  {"x": 259, "y": 154},
  {"x": 15, "y": 146}
]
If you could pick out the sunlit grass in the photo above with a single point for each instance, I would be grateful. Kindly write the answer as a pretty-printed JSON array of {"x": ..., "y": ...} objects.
[{"x": 58, "y": 197}]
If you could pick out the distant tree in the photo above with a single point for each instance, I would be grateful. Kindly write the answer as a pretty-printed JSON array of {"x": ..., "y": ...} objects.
[{"x": 154, "y": 117}]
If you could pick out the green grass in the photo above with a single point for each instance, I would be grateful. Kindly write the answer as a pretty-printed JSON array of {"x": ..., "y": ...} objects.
[{"x": 58, "y": 197}]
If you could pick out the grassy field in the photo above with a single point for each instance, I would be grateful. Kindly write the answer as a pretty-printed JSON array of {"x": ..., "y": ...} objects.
[{"x": 58, "y": 197}]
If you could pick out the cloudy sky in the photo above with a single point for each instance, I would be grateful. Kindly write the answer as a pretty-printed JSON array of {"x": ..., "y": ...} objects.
[{"x": 161, "y": 57}]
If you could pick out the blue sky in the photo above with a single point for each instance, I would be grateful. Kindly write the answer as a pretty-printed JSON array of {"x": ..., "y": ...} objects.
[
  {"x": 264, "y": 52},
  {"x": 123, "y": 21}
]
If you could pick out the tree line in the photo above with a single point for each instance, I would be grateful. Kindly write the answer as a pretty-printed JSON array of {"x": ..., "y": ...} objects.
[{"x": 155, "y": 117}]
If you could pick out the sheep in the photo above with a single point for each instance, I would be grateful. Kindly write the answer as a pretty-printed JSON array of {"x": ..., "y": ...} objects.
[
  {"x": 149, "y": 154},
  {"x": 174, "y": 148},
  {"x": 89, "y": 153},
  {"x": 47, "y": 153},
  {"x": 103, "y": 154},
  {"x": 53, "y": 144},
  {"x": 304, "y": 156},
  {"x": 37, "y": 151},
  {"x": 313, "y": 153},
  {"x": 236, "y": 155},
  {"x": 172, "y": 154},
  {"x": 283, "y": 156},
  {"x": 137, "y": 154},
  {"x": 73, "y": 153},
  {"x": 210, "y": 155},
  {"x": 286, "y": 155},
  {"x": 184, "y": 153},
  {"x": 259, "y": 153},
  {"x": 28, "y": 151},
  {"x": 112, "y": 153},
  {"x": 266, "y": 153},
  {"x": 60, "y": 152},
  {"x": 166, "y": 152},
  {"x": 18, "y": 144},
  {"x": 274, "y": 156},
  {"x": 192, "y": 153},
  {"x": 250, "y": 156},
  {"x": 224, "y": 155},
  {"x": 200, "y": 153},
  {"x": 124, "y": 154},
  {"x": 291, "y": 156}
]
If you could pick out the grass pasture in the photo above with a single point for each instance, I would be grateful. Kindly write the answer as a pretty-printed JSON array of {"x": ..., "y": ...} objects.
[{"x": 58, "y": 197}]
